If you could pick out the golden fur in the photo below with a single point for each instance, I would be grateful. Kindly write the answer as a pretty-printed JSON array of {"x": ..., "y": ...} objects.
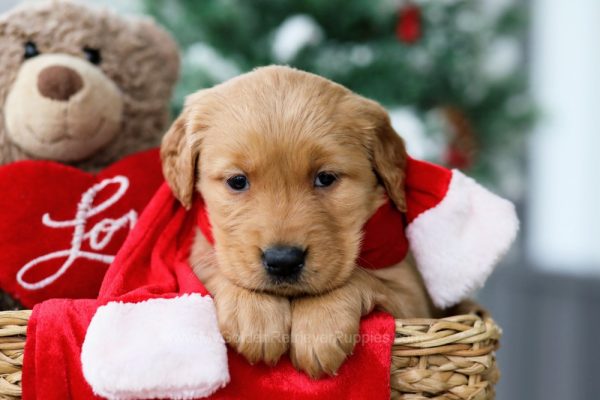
[{"x": 280, "y": 127}]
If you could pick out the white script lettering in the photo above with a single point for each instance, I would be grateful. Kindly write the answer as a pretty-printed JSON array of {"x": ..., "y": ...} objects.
[{"x": 99, "y": 236}]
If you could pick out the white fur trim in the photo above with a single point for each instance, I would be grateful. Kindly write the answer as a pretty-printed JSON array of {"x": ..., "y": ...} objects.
[
  {"x": 457, "y": 243},
  {"x": 159, "y": 348}
]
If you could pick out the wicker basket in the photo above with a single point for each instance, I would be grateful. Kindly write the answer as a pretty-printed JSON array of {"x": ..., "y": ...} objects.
[
  {"x": 13, "y": 325},
  {"x": 443, "y": 359}
]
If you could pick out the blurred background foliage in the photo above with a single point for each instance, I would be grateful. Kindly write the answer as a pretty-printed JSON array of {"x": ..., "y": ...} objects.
[{"x": 451, "y": 72}]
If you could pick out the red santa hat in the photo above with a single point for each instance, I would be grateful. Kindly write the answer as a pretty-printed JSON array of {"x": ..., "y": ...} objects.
[{"x": 457, "y": 230}]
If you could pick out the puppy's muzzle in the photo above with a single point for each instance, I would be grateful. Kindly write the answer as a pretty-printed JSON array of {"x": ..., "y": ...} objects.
[{"x": 284, "y": 263}]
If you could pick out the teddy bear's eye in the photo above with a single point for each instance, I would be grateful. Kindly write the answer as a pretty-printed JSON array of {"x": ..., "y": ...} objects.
[
  {"x": 31, "y": 50},
  {"x": 92, "y": 55}
]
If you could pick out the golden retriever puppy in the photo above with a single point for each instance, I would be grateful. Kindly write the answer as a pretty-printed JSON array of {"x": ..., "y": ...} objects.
[{"x": 291, "y": 166}]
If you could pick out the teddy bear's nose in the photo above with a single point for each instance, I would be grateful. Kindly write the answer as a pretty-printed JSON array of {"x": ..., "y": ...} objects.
[{"x": 59, "y": 83}]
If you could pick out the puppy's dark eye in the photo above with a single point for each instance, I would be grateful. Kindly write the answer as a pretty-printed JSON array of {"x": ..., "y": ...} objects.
[
  {"x": 92, "y": 55},
  {"x": 31, "y": 50},
  {"x": 239, "y": 183},
  {"x": 324, "y": 179}
]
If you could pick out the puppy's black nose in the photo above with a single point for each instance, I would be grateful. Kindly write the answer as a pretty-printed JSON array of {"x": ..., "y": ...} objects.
[{"x": 284, "y": 261}]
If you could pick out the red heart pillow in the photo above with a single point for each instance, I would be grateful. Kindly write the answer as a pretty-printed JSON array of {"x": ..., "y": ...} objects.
[{"x": 60, "y": 227}]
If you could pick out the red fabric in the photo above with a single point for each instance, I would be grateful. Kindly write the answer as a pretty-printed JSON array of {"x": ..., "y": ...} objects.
[
  {"x": 51, "y": 366},
  {"x": 365, "y": 375},
  {"x": 426, "y": 185},
  {"x": 32, "y": 188},
  {"x": 153, "y": 263},
  {"x": 384, "y": 242}
]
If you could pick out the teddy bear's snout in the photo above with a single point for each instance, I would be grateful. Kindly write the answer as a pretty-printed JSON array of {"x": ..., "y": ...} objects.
[
  {"x": 62, "y": 107},
  {"x": 58, "y": 82}
]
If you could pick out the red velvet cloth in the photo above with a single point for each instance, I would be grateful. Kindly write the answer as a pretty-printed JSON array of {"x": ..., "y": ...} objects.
[
  {"x": 55, "y": 334},
  {"x": 30, "y": 189},
  {"x": 426, "y": 185},
  {"x": 153, "y": 264}
]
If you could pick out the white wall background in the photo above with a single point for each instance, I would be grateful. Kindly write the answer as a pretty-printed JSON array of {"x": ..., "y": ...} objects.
[
  {"x": 564, "y": 190},
  {"x": 7, "y": 4}
]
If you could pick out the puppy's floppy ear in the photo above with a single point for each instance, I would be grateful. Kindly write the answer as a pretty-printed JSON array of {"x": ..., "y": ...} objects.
[
  {"x": 179, "y": 156},
  {"x": 388, "y": 154}
]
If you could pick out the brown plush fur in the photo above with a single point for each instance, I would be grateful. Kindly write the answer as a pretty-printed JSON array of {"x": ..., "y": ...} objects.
[
  {"x": 137, "y": 56},
  {"x": 280, "y": 127}
]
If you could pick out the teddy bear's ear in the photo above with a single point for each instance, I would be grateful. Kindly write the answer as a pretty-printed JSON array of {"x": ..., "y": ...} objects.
[
  {"x": 163, "y": 46},
  {"x": 4, "y": 23}
]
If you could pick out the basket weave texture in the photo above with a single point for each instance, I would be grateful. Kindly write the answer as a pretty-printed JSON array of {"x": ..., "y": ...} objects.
[
  {"x": 443, "y": 359},
  {"x": 450, "y": 358},
  {"x": 13, "y": 325}
]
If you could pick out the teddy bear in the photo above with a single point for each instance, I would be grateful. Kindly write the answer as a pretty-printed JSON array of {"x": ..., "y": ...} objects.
[{"x": 84, "y": 87}]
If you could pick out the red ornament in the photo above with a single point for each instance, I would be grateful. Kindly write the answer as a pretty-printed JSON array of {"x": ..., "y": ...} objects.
[
  {"x": 456, "y": 158},
  {"x": 409, "y": 27},
  {"x": 462, "y": 143}
]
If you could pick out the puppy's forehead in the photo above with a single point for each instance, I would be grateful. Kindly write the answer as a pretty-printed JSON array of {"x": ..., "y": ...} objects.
[
  {"x": 256, "y": 149},
  {"x": 280, "y": 114}
]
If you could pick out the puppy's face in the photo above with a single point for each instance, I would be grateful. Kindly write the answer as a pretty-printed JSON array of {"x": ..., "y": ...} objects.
[{"x": 290, "y": 167}]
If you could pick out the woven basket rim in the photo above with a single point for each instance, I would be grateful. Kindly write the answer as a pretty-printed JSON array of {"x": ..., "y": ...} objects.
[{"x": 450, "y": 358}]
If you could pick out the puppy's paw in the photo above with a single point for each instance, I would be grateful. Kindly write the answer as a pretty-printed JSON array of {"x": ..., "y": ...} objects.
[
  {"x": 324, "y": 332},
  {"x": 257, "y": 325}
]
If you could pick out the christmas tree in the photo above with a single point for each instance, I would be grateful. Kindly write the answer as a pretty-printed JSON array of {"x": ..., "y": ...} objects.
[{"x": 449, "y": 71}]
